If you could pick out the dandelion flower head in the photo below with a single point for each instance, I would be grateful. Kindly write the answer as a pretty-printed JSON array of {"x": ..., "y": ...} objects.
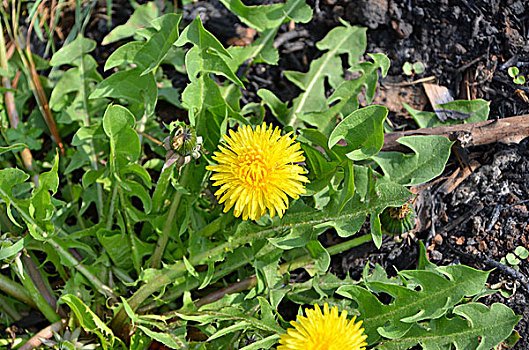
[
  {"x": 324, "y": 331},
  {"x": 256, "y": 171}
]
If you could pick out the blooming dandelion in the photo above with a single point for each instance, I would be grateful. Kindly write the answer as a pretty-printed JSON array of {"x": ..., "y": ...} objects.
[
  {"x": 324, "y": 331},
  {"x": 257, "y": 170}
]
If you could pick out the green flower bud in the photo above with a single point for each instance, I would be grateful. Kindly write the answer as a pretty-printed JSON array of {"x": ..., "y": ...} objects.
[
  {"x": 183, "y": 139},
  {"x": 398, "y": 220}
]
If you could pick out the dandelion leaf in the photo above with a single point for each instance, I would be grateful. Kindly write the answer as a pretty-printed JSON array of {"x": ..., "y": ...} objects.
[
  {"x": 141, "y": 18},
  {"x": 340, "y": 40},
  {"x": 475, "y": 327},
  {"x": 429, "y": 294},
  {"x": 431, "y": 153},
  {"x": 363, "y": 130}
]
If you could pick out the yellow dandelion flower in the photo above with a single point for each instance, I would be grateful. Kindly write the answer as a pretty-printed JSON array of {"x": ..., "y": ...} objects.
[
  {"x": 257, "y": 170},
  {"x": 324, "y": 331}
]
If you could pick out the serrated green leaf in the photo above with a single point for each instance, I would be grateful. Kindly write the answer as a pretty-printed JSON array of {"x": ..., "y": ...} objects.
[
  {"x": 141, "y": 18},
  {"x": 196, "y": 34},
  {"x": 167, "y": 338},
  {"x": 363, "y": 130},
  {"x": 344, "y": 100},
  {"x": 230, "y": 313},
  {"x": 41, "y": 206},
  {"x": 9, "y": 178},
  {"x": 436, "y": 296},
  {"x": 72, "y": 81},
  {"x": 230, "y": 329},
  {"x": 72, "y": 53},
  {"x": 259, "y": 17},
  {"x": 348, "y": 189},
  {"x": 297, "y": 237},
  {"x": 263, "y": 50},
  {"x": 478, "y": 110},
  {"x": 139, "y": 171},
  {"x": 133, "y": 317},
  {"x": 158, "y": 45},
  {"x": 478, "y": 328},
  {"x": 340, "y": 40},
  {"x": 376, "y": 229},
  {"x": 117, "y": 246},
  {"x": 125, "y": 54},
  {"x": 131, "y": 86},
  {"x": 208, "y": 110},
  {"x": 321, "y": 171},
  {"x": 278, "y": 108},
  {"x": 11, "y": 250},
  {"x": 89, "y": 320},
  {"x": 431, "y": 153},
  {"x": 265, "y": 343},
  {"x": 347, "y": 222},
  {"x": 424, "y": 263},
  {"x": 190, "y": 267},
  {"x": 201, "y": 61}
]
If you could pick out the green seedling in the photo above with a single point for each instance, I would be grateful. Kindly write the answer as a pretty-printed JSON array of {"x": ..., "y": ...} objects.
[
  {"x": 413, "y": 69},
  {"x": 517, "y": 78},
  {"x": 514, "y": 259}
]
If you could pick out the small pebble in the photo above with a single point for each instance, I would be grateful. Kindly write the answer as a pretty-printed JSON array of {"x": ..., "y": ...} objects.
[{"x": 436, "y": 255}]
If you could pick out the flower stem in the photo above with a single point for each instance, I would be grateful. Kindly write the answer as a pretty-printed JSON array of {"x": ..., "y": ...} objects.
[
  {"x": 110, "y": 212},
  {"x": 15, "y": 290},
  {"x": 9, "y": 310},
  {"x": 63, "y": 252},
  {"x": 41, "y": 284},
  {"x": 136, "y": 259},
  {"x": 216, "y": 225},
  {"x": 43, "y": 306},
  {"x": 333, "y": 250},
  {"x": 164, "y": 238}
]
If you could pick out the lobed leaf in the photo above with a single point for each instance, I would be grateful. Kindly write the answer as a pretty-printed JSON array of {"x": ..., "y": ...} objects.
[
  {"x": 475, "y": 327},
  {"x": 89, "y": 320},
  {"x": 340, "y": 40},
  {"x": 158, "y": 45},
  {"x": 431, "y": 153},
  {"x": 363, "y": 130},
  {"x": 477, "y": 110},
  {"x": 141, "y": 18},
  {"x": 437, "y": 295},
  {"x": 72, "y": 53}
]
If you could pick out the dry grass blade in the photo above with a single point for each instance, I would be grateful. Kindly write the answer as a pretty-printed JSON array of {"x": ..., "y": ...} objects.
[
  {"x": 9, "y": 100},
  {"x": 36, "y": 86}
]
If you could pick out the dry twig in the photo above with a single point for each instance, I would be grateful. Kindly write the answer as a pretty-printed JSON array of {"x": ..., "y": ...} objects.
[
  {"x": 44, "y": 334},
  {"x": 508, "y": 130}
]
